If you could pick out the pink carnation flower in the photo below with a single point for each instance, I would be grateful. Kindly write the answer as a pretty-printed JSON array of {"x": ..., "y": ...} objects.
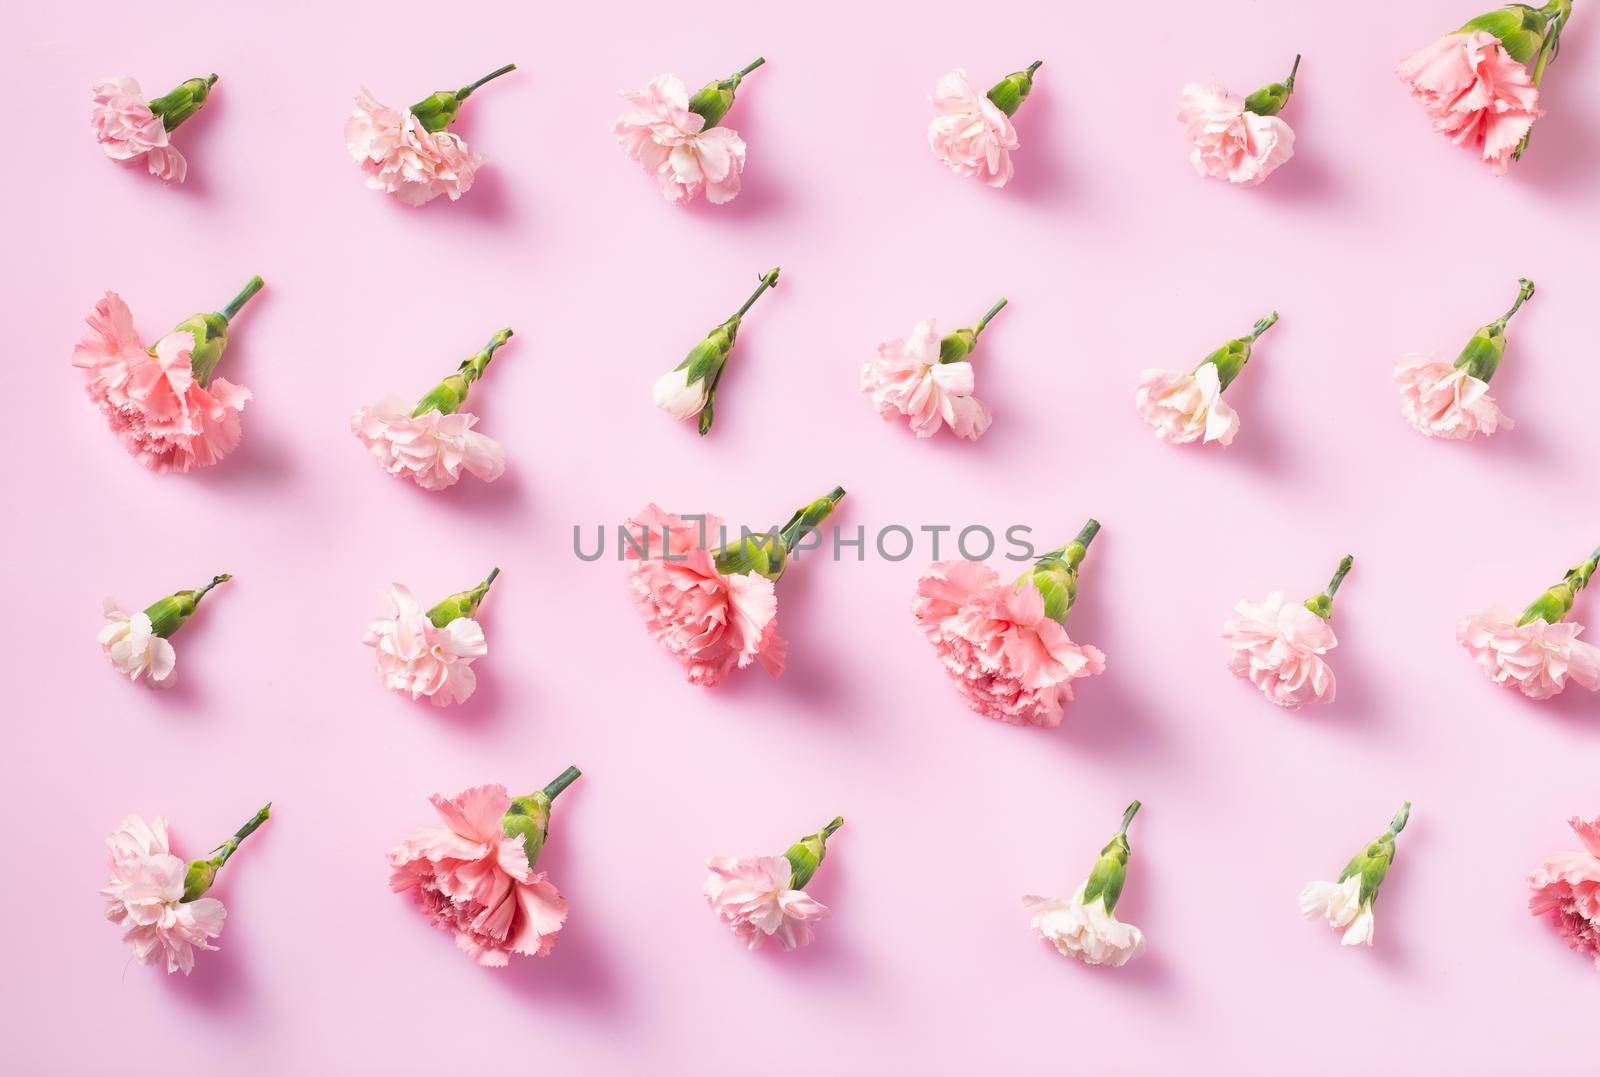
[
  {"x": 1009, "y": 661},
  {"x": 971, "y": 134},
  {"x": 405, "y": 159},
  {"x": 151, "y": 398},
  {"x": 1567, "y": 885},
  {"x": 145, "y": 898},
  {"x": 419, "y": 659},
  {"x": 1475, "y": 94},
  {"x": 907, "y": 379},
  {"x": 711, "y": 622},
  {"x": 1536, "y": 658},
  {"x": 753, "y": 897},
  {"x": 430, "y": 449},
  {"x": 1186, "y": 407},
  {"x": 472, "y": 880},
  {"x": 1279, "y": 647},
  {"x": 127, "y": 129},
  {"x": 672, "y": 144},
  {"x": 1444, "y": 401},
  {"x": 134, "y": 648},
  {"x": 1228, "y": 141}
]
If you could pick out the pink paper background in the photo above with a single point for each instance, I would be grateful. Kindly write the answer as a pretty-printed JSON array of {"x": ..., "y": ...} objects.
[{"x": 1377, "y": 239}]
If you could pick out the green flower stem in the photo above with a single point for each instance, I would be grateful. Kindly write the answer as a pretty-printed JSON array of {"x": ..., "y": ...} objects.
[
  {"x": 227, "y": 848},
  {"x": 1401, "y": 817},
  {"x": 1055, "y": 575},
  {"x": 1293, "y": 70},
  {"x": 768, "y": 280},
  {"x": 1110, "y": 870},
  {"x": 561, "y": 781},
  {"x": 236, "y": 304},
  {"x": 747, "y": 68},
  {"x": 224, "y": 578},
  {"x": 1553, "y": 606},
  {"x": 1322, "y": 604},
  {"x": 466, "y": 91},
  {"x": 984, "y": 321},
  {"x": 1524, "y": 293},
  {"x": 202, "y": 873},
  {"x": 1263, "y": 325},
  {"x": 1127, "y": 816}
]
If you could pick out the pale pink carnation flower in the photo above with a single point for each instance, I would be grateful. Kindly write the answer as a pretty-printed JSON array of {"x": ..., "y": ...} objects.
[
  {"x": 1087, "y": 933},
  {"x": 1535, "y": 658},
  {"x": 709, "y": 621},
  {"x": 1008, "y": 660},
  {"x": 405, "y": 159},
  {"x": 753, "y": 897},
  {"x": 1228, "y": 141},
  {"x": 1279, "y": 647},
  {"x": 145, "y": 898},
  {"x": 1186, "y": 407},
  {"x": 907, "y": 379},
  {"x": 127, "y": 130},
  {"x": 431, "y": 449},
  {"x": 671, "y": 144},
  {"x": 1444, "y": 401},
  {"x": 971, "y": 134},
  {"x": 473, "y": 881},
  {"x": 418, "y": 659},
  {"x": 1475, "y": 94},
  {"x": 151, "y": 398},
  {"x": 134, "y": 648},
  {"x": 1567, "y": 885},
  {"x": 1340, "y": 906}
]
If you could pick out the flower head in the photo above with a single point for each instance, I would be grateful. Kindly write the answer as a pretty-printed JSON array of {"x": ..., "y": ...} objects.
[
  {"x": 165, "y": 403},
  {"x": 928, "y": 379},
  {"x": 1084, "y": 926},
  {"x": 1280, "y": 647},
  {"x": 434, "y": 442},
  {"x": 130, "y": 129},
  {"x": 762, "y": 897},
  {"x": 1189, "y": 407},
  {"x": 716, "y": 609},
  {"x": 157, "y": 898},
  {"x": 1452, "y": 400},
  {"x": 690, "y": 388},
  {"x": 1004, "y": 646},
  {"x": 1538, "y": 651},
  {"x": 973, "y": 133},
  {"x": 1567, "y": 887},
  {"x": 430, "y": 654},
  {"x": 1478, "y": 94},
  {"x": 678, "y": 139},
  {"x": 1346, "y": 905},
  {"x": 138, "y": 644},
  {"x": 409, "y": 153},
  {"x": 1239, "y": 139},
  {"x": 474, "y": 877}
]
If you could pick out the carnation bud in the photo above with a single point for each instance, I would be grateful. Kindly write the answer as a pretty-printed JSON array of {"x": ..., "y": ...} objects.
[
  {"x": 805, "y": 855},
  {"x": 169, "y": 614},
  {"x": 210, "y": 332},
  {"x": 1522, "y": 29},
  {"x": 1322, "y": 604},
  {"x": 714, "y": 99},
  {"x": 448, "y": 396},
  {"x": 462, "y": 603},
  {"x": 1481, "y": 357},
  {"x": 202, "y": 873},
  {"x": 1056, "y": 573},
  {"x": 1232, "y": 356},
  {"x": 767, "y": 554},
  {"x": 439, "y": 110},
  {"x": 183, "y": 102},
  {"x": 690, "y": 388},
  {"x": 1553, "y": 606},
  {"x": 1270, "y": 99},
  {"x": 1009, "y": 93},
  {"x": 958, "y": 345},
  {"x": 1111, "y": 869},
  {"x": 529, "y": 816}
]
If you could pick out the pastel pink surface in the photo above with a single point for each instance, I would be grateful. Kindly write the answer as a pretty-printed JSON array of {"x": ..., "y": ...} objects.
[{"x": 1115, "y": 257}]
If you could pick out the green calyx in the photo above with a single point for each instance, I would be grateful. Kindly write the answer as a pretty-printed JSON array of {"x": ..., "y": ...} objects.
[
  {"x": 1553, "y": 606},
  {"x": 714, "y": 99},
  {"x": 1372, "y": 863},
  {"x": 958, "y": 345},
  {"x": 805, "y": 855},
  {"x": 1481, "y": 357},
  {"x": 185, "y": 101},
  {"x": 1110, "y": 871},
  {"x": 1525, "y": 31},
  {"x": 448, "y": 396},
  {"x": 707, "y": 359},
  {"x": 1232, "y": 356},
  {"x": 529, "y": 816},
  {"x": 202, "y": 873},
  {"x": 439, "y": 110},
  {"x": 1322, "y": 604},
  {"x": 1270, "y": 99},
  {"x": 767, "y": 554},
  {"x": 1056, "y": 573},
  {"x": 210, "y": 332},
  {"x": 462, "y": 603},
  {"x": 1009, "y": 93},
  {"x": 169, "y": 614}
]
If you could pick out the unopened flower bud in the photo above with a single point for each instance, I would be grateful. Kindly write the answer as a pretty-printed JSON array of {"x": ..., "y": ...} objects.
[
  {"x": 185, "y": 101},
  {"x": 169, "y": 614},
  {"x": 202, "y": 873},
  {"x": 1009, "y": 93},
  {"x": 1056, "y": 573},
  {"x": 690, "y": 388},
  {"x": 1481, "y": 357},
  {"x": 529, "y": 816},
  {"x": 714, "y": 99}
]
